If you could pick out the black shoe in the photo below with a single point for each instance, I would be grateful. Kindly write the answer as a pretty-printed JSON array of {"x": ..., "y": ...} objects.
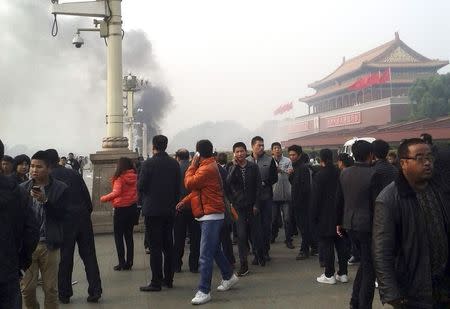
[
  {"x": 267, "y": 258},
  {"x": 302, "y": 256},
  {"x": 262, "y": 261},
  {"x": 314, "y": 252},
  {"x": 168, "y": 285},
  {"x": 93, "y": 298},
  {"x": 127, "y": 266},
  {"x": 243, "y": 271},
  {"x": 150, "y": 288},
  {"x": 255, "y": 261},
  {"x": 118, "y": 267},
  {"x": 64, "y": 300},
  {"x": 289, "y": 245},
  {"x": 147, "y": 250}
]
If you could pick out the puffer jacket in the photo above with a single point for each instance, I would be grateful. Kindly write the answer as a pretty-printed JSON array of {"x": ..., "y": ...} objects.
[
  {"x": 400, "y": 245},
  {"x": 124, "y": 193},
  {"x": 206, "y": 195},
  {"x": 282, "y": 188}
]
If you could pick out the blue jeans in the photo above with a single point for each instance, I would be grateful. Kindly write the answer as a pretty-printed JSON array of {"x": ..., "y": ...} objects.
[
  {"x": 210, "y": 250},
  {"x": 10, "y": 296}
]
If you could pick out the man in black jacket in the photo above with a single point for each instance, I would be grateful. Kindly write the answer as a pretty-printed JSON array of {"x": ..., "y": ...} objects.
[
  {"x": 386, "y": 171},
  {"x": 159, "y": 189},
  {"x": 300, "y": 180},
  {"x": 19, "y": 236},
  {"x": 324, "y": 217},
  {"x": 77, "y": 230},
  {"x": 411, "y": 234},
  {"x": 269, "y": 176},
  {"x": 357, "y": 191},
  {"x": 185, "y": 222},
  {"x": 47, "y": 203},
  {"x": 244, "y": 188}
]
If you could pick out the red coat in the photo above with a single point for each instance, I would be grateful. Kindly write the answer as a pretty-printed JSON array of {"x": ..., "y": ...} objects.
[
  {"x": 124, "y": 192},
  {"x": 206, "y": 195}
]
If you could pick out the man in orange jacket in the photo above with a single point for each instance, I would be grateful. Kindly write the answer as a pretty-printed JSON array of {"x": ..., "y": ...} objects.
[{"x": 206, "y": 200}]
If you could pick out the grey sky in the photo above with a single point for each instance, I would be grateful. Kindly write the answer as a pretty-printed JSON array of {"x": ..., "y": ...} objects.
[{"x": 242, "y": 59}]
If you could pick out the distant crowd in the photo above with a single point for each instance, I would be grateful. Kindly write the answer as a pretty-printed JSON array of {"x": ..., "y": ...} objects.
[{"x": 386, "y": 211}]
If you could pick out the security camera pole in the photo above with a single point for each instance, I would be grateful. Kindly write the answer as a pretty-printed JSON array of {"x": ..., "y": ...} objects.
[{"x": 114, "y": 145}]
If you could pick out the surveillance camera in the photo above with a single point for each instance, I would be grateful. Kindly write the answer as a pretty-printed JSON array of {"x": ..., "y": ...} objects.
[{"x": 77, "y": 40}]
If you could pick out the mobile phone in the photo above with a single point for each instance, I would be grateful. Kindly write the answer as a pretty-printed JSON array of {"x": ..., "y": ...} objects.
[
  {"x": 197, "y": 154},
  {"x": 36, "y": 188}
]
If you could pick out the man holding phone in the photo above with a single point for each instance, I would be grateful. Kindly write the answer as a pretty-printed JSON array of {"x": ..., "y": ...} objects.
[{"x": 47, "y": 202}]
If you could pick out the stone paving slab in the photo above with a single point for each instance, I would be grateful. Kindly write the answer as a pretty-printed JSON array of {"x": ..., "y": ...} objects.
[{"x": 285, "y": 283}]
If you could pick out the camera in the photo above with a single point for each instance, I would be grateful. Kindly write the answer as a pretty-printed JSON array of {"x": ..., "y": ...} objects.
[{"x": 77, "y": 40}]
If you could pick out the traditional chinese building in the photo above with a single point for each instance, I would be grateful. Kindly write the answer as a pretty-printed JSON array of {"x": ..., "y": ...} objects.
[{"x": 348, "y": 99}]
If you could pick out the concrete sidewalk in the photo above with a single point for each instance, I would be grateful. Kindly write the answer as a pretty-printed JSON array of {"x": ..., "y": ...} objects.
[{"x": 284, "y": 283}]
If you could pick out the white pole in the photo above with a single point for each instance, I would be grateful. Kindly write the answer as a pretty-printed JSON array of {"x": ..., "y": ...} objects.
[
  {"x": 114, "y": 127},
  {"x": 144, "y": 141},
  {"x": 130, "y": 99}
]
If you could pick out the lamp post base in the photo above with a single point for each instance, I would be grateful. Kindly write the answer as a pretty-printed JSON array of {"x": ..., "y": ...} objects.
[
  {"x": 114, "y": 142},
  {"x": 104, "y": 165}
]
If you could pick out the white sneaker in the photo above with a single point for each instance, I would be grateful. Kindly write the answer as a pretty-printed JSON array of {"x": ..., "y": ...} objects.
[
  {"x": 201, "y": 298},
  {"x": 228, "y": 284},
  {"x": 376, "y": 284},
  {"x": 325, "y": 279},
  {"x": 342, "y": 278}
]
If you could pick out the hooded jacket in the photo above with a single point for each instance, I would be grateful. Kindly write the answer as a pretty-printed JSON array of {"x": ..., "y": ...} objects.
[
  {"x": 19, "y": 231},
  {"x": 400, "y": 244},
  {"x": 124, "y": 192},
  {"x": 204, "y": 182}
]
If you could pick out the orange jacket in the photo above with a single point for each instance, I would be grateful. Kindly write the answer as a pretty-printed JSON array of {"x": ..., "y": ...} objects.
[
  {"x": 124, "y": 192},
  {"x": 206, "y": 195}
]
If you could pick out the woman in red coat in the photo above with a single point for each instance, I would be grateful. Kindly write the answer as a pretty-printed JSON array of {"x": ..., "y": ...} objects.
[{"x": 124, "y": 198}]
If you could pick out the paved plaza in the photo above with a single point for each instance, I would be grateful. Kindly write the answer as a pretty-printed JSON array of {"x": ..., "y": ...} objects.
[{"x": 286, "y": 283}]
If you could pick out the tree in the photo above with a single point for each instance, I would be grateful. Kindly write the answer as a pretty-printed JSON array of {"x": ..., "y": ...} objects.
[{"x": 430, "y": 97}]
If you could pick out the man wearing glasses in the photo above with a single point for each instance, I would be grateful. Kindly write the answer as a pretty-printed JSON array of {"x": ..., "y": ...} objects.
[{"x": 411, "y": 229}]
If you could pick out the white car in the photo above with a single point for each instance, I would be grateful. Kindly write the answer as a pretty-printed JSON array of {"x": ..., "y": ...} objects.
[{"x": 347, "y": 148}]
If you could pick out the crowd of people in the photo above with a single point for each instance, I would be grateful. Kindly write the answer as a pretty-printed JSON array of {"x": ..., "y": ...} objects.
[{"x": 386, "y": 211}]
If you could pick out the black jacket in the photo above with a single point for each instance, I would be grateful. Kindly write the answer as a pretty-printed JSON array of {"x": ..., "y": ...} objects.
[
  {"x": 79, "y": 199},
  {"x": 240, "y": 197},
  {"x": 19, "y": 231},
  {"x": 324, "y": 213},
  {"x": 386, "y": 171},
  {"x": 358, "y": 188},
  {"x": 268, "y": 172},
  {"x": 159, "y": 185},
  {"x": 300, "y": 185},
  {"x": 54, "y": 210},
  {"x": 400, "y": 243}
]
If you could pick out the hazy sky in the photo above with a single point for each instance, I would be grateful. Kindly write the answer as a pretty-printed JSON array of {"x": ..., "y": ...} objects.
[{"x": 242, "y": 59}]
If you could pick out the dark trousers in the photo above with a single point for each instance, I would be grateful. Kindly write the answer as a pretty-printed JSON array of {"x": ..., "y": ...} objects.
[
  {"x": 327, "y": 245},
  {"x": 10, "y": 297},
  {"x": 265, "y": 217},
  {"x": 364, "y": 284},
  {"x": 302, "y": 220},
  {"x": 146, "y": 241},
  {"x": 281, "y": 213},
  {"x": 184, "y": 222},
  {"x": 124, "y": 219},
  {"x": 226, "y": 242},
  {"x": 78, "y": 230},
  {"x": 249, "y": 225},
  {"x": 161, "y": 242},
  {"x": 355, "y": 250}
]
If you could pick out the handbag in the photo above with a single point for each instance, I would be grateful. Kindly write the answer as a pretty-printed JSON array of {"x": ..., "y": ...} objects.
[{"x": 229, "y": 209}]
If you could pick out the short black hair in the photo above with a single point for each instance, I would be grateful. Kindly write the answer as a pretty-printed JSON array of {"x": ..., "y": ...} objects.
[
  {"x": 239, "y": 145},
  {"x": 21, "y": 159},
  {"x": 275, "y": 144},
  {"x": 71, "y": 153},
  {"x": 222, "y": 158},
  {"x": 346, "y": 159},
  {"x": 403, "y": 149},
  {"x": 182, "y": 154},
  {"x": 361, "y": 150},
  {"x": 205, "y": 148},
  {"x": 297, "y": 148},
  {"x": 257, "y": 139},
  {"x": 7, "y": 159},
  {"x": 326, "y": 155},
  {"x": 2, "y": 149},
  {"x": 41, "y": 155},
  {"x": 53, "y": 156},
  {"x": 63, "y": 158},
  {"x": 160, "y": 142},
  {"x": 427, "y": 138},
  {"x": 380, "y": 148}
]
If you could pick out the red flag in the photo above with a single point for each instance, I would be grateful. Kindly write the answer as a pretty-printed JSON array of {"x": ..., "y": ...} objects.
[
  {"x": 283, "y": 108},
  {"x": 374, "y": 79},
  {"x": 361, "y": 83}
]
